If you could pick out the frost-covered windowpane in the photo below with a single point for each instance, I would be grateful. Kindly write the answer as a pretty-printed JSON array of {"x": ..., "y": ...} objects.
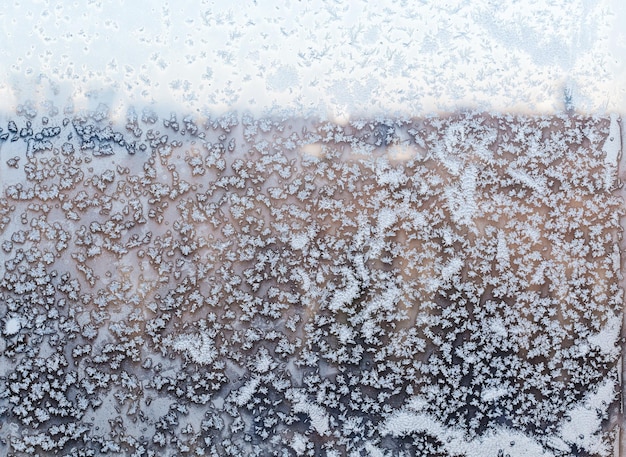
[
  {"x": 320, "y": 228},
  {"x": 454, "y": 290}
]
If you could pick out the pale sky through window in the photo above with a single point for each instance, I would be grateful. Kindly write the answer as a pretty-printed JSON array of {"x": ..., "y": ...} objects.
[{"x": 332, "y": 58}]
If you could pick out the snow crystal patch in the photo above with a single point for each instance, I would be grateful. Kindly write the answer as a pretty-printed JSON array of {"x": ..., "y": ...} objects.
[
  {"x": 12, "y": 326},
  {"x": 495, "y": 441},
  {"x": 405, "y": 422},
  {"x": 584, "y": 421},
  {"x": 299, "y": 443},
  {"x": 461, "y": 199},
  {"x": 318, "y": 415},
  {"x": 537, "y": 183},
  {"x": 299, "y": 240},
  {"x": 386, "y": 218},
  {"x": 199, "y": 348},
  {"x": 613, "y": 144},
  {"x": 607, "y": 337},
  {"x": 304, "y": 278},
  {"x": 374, "y": 451},
  {"x": 503, "y": 253},
  {"x": 245, "y": 393},
  {"x": 345, "y": 296},
  {"x": 612, "y": 149},
  {"x": 264, "y": 361},
  {"x": 392, "y": 177},
  {"x": 451, "y": 268},
  {"x": 498, "y": 327},
  {"x": 493, "y": 393},
  {"x": 345, "y": 334}
]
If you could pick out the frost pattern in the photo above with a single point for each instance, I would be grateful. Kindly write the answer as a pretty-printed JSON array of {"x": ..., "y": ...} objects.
[{"x": 242, "y": 286}]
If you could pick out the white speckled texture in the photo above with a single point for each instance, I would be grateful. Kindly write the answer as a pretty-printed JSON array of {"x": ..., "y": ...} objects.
[
  {"x": 312, "y": 227},
  {"x": 328, "y": 58}
]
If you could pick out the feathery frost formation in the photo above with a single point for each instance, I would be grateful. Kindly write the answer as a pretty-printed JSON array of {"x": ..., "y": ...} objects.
[{"x": 241, "y": 286}]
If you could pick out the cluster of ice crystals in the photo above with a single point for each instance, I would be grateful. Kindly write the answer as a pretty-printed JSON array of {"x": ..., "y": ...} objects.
[{"x": 231, "y": 286}]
